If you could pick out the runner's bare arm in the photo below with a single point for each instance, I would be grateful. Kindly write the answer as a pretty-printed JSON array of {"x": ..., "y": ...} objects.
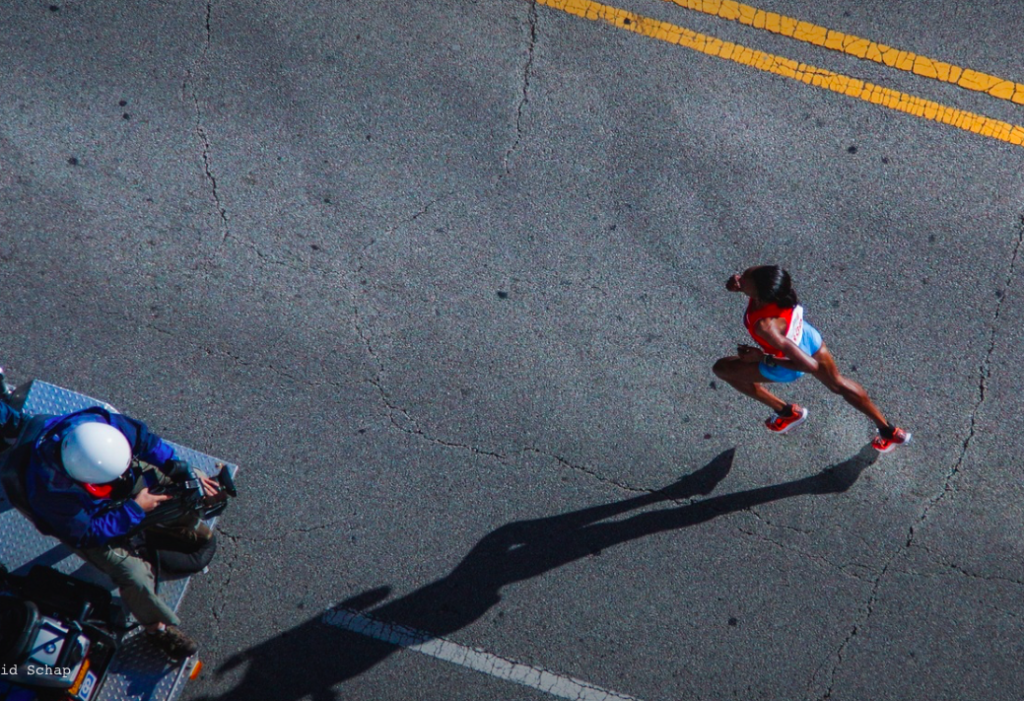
[{"x": 773, "y": 331}]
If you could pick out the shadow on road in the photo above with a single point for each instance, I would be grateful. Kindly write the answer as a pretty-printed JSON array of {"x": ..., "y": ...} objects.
[{"x": 312, "y": 658}]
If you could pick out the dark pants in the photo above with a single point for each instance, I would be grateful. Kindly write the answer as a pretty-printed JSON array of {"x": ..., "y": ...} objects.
[{"x": 11, "y": 421}]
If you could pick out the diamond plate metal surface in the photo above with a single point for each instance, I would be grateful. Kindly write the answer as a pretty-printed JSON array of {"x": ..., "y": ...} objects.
[
  {"x": 44, "y": 398},
  {"x": 138, "y": 671}
]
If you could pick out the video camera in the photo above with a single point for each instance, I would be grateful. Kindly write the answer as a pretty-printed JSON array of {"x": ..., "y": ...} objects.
[{"x": 186, "y": 490}]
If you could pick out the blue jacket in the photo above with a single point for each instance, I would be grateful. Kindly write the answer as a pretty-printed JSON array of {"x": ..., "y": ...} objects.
[{"x": 62, "y": 505}]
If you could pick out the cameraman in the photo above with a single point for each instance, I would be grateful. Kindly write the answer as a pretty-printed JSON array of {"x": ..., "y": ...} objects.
[{"x": 90, "y": 482}]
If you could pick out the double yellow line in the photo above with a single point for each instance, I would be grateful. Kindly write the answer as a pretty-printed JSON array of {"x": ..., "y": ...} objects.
[{"x": 820, "y": 36}]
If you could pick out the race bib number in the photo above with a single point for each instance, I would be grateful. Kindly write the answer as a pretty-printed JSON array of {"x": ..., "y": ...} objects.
[{"x": 796, "y": 325}]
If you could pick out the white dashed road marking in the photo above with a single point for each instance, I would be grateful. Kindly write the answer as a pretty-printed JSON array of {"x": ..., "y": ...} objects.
[{"x": 412, "y": 639}]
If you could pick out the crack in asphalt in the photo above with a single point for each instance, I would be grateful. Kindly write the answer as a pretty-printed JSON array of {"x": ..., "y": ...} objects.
[
  {"x": 405, "y": 222},
  {"x": 838, "y": 654},
  {"x": 985, "y": 374},
  {"x": 949, "y": 482},
  {"x": 869, "y": 611},
  {"x": 531, "y": 42},
  {"x": 770, "y": 523},
  {"x": 964, "y": 572},
  {"x": 638, "y": 490},
  {"x": 400, "y": 419},
  {"x": 397, "y": 416},
  {"x": 592, "y": 473},
  {"x": 937, "y": 559},
  {"x": 190, "y": 82},
  {"x": 1006, "y": 612},
  {"x": 237, "y": 359},
  {"x": 301, "y": 530},
  {"x": 221, "y": 598},
  {"x": 842, "y": 567},
  {"x": 409, "y": 426}
]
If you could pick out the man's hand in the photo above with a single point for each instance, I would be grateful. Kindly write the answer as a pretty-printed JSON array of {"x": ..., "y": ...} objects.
[
  {"x": 212, "y": 491},
  {"x": 148, "y": 501},
  {"x": 733, "y": 283}
]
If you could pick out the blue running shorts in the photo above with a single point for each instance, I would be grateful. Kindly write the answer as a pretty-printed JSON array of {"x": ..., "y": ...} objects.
[{"x": 809, "y": 344}]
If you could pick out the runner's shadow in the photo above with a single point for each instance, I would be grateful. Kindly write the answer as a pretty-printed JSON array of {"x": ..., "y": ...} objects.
[{"x": 282, "y": 669}]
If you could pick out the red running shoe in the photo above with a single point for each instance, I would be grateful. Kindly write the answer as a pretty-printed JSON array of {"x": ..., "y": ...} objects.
[
  {"x": 885, "y": 445},
  {"x": 777, "y": 423}
]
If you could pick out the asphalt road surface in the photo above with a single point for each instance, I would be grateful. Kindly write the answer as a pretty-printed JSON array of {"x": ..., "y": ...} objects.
[{"x": 446, "y": 279}]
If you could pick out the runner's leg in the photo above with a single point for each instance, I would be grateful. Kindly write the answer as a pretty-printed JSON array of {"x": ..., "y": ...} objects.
[
  {"x": 747, "y": 378},
  {"x": 849, "y": 390}
]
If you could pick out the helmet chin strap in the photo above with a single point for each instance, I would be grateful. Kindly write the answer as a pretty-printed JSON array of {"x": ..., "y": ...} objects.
[
  {"x": 99, "y": 491},
  {"x": 107, "y": 490}
]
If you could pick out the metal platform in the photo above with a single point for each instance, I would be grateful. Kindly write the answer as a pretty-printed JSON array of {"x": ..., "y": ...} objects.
[{"x": 138, "y": 671}]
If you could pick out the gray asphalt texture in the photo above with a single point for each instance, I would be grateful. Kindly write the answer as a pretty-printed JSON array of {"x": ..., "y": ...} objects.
[{"x": 443, "y": 277}]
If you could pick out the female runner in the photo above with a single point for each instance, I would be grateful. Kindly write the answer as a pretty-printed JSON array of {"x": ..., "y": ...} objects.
[{"x": 790, "y": 347}]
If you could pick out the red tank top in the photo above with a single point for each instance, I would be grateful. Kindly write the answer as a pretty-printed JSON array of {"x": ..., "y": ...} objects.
[{"x": 794, "y": 317}]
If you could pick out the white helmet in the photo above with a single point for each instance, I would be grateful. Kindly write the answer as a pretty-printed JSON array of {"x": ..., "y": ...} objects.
[{"x": 95, "y": 453}]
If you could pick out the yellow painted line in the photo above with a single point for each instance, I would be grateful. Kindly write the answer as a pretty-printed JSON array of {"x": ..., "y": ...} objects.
[
  {"x": 893, "y": 99},
  {"x": 861, "y": 48}
]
